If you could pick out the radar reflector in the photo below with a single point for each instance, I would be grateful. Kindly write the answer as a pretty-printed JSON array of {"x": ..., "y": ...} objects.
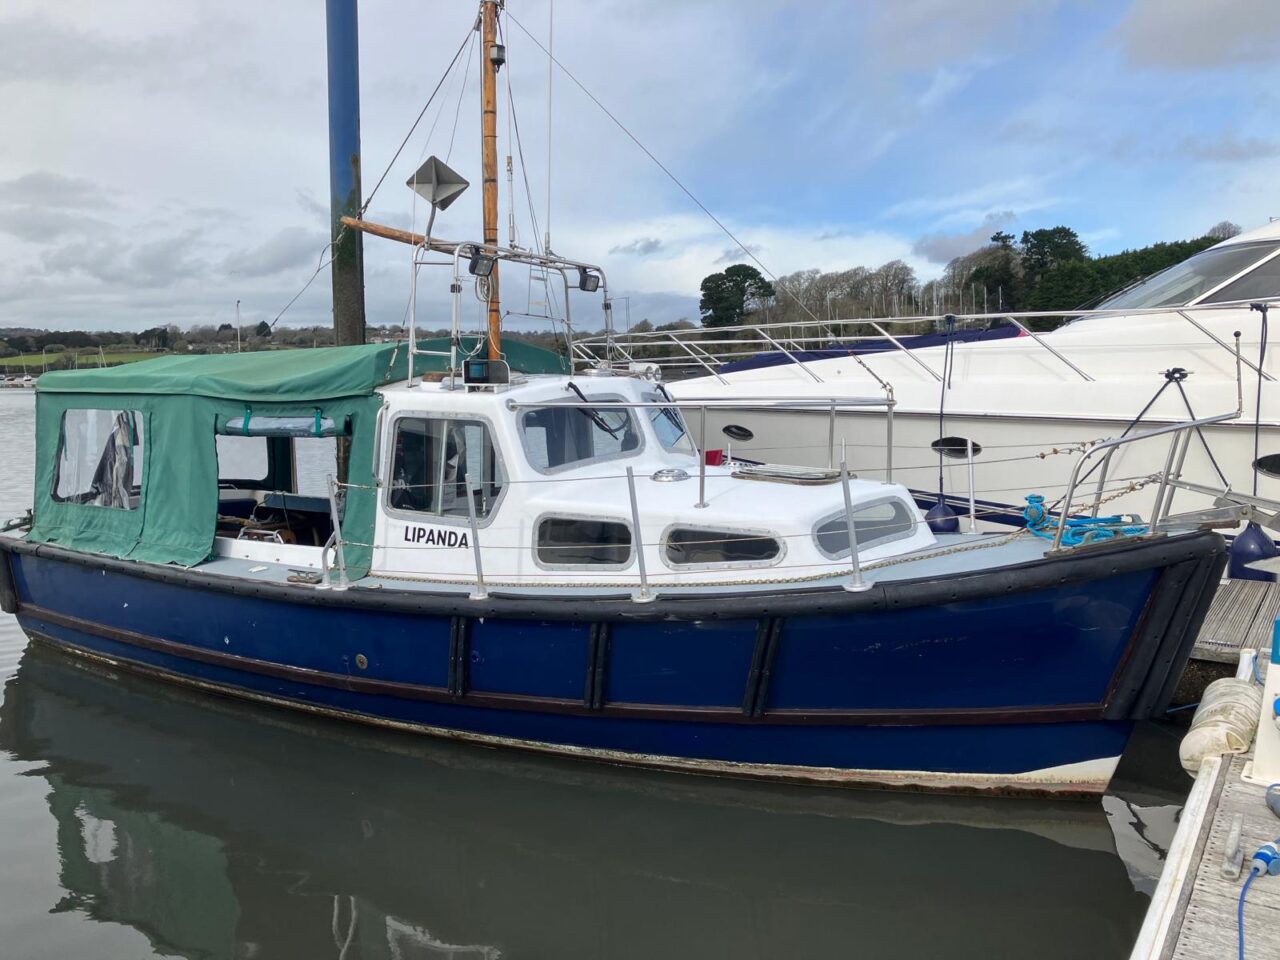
[{"x": 436, "y": 183}]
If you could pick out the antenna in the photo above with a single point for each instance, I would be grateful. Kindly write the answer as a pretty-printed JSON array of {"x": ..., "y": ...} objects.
[{"x": 551, "y": 62}]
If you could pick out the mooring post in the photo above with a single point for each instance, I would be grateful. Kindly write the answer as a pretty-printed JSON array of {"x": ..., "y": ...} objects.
[
  {"x": 342, "y": 32},
  {"x": 347, "y": 254}
]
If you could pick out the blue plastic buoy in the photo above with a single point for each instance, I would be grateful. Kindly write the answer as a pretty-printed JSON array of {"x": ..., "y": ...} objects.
[
  {"x": 941, "y": 518},
  {"x": 1250, "y": 545}
]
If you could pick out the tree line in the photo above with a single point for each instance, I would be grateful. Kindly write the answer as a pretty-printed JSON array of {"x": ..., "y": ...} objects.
[{"x": 1043, "y": 270}]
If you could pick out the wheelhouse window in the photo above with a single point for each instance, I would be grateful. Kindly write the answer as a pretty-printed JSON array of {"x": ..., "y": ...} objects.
[
  {"x": 669, "y": 426},
  {"x": 437, "y": 463},
  {"x": 873, "y": 524},
  {"x": 100, "y": 458},
  {"x": 1192, "y": 278},
  {"x": 696, "y": 545},
  {"x": 560, "y": 436},
  {"x": 579, "y": 541}
]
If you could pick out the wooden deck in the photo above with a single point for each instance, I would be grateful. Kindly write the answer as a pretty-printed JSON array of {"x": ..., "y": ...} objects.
[
  {"x": 1240, "y": 617},
  {"x": 1193, "y": 913}
]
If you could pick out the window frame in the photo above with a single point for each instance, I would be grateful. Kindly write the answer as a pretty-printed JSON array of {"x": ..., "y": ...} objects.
[
  {"x": 139, "y": 417},
  {"x": 590, "y": 518},
  {"x": 388, "y": 462},
  {"x": 653, "y": 396},
  {"x": 761, "y": 532},
  {"x": 878, "y": 542},
  {"x": 602, "y": 400}
]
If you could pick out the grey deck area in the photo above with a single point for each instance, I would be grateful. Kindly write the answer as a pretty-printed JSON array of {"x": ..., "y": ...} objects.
[
  {"x": 1241, "y": 617},
  {"x": 1205, "y": 918}
]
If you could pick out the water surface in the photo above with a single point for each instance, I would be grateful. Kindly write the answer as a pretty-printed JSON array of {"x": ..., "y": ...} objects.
[{"x": 138, "y": 819}]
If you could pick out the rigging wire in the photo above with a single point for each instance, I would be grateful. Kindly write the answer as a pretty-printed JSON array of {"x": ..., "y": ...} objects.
[
  {"x": 462, "y": 95},
  {"x": 327, "y": 250},
  {"x": 403, "y": 143},
  {"x": 660, "y": 165}
]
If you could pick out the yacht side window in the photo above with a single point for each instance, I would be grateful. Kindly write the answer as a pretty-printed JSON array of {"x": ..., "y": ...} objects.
[
  {"x": 437, "y": 461},
  {"x": 693, "y": 545},
  {"x": 560, "y": 436},
  {"x": 100, "y": 458},
  {"x": 582, "y": 541}
]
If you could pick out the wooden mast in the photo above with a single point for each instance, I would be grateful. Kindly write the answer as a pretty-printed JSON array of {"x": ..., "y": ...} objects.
[{"x": 490, "y": 61}]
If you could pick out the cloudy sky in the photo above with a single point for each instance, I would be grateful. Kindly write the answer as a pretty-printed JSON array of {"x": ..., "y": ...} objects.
[{"x": 164, "y": 159}]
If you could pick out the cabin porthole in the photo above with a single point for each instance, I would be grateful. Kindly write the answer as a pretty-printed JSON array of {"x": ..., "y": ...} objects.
[
  {"x": 736, "y": 432},
  {"x": 362, "y": 661},
  {"x": 1269, "y": 465}
]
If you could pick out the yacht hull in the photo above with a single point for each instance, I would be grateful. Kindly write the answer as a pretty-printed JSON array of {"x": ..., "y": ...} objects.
[{"x": 1025, "y": 678}]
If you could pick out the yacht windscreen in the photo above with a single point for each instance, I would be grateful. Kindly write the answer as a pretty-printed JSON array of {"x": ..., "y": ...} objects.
[
  {"x": 560, "y": 435},
  {"x": 1194, "y": 277},
  {"x": 669, "y": 426}
]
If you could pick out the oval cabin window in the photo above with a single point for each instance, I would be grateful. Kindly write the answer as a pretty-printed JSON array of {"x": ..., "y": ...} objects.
[
  {"x": 735, "y": 432},
  {"x": 579, "y": 542},
  {"x": 1269, "y": 465},
  {"x": 689, "y": 545},
  {"x": 956, "y": 447}
]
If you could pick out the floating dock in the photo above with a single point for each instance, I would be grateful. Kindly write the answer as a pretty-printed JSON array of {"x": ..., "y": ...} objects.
[
  {"x": 1226, "y": 819},
  {"x": 1193, "y": 912},
  {"x": 1241, "y": 618}
]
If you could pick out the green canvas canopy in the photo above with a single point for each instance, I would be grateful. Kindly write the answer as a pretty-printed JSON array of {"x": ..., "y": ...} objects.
[{"x": 164, "y": 415}]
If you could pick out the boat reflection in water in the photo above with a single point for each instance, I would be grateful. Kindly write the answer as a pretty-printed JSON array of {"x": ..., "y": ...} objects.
[{"x": 223, "y": 829}]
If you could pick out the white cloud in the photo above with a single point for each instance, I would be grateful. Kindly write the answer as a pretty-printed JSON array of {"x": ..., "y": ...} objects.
[{"x": 1195, "y": 34}]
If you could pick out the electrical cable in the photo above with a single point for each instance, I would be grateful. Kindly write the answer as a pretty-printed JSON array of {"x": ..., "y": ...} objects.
[{"x": 1240, "y": 913}]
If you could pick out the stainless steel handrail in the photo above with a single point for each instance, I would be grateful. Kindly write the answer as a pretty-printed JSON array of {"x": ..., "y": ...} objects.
[{"x": 1108, "y": 445}]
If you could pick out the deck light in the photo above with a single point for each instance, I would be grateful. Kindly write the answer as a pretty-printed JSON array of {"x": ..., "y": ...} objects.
[
  {"x": 481, "y": 264},
  {"x": 587, "y": 281}
]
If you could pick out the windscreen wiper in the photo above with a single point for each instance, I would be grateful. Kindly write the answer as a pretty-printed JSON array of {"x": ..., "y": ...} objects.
[{"x": 590, "y": 414}]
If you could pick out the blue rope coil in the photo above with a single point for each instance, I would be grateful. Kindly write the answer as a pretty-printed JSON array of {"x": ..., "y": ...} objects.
[{"x": 1078, "y": 530}]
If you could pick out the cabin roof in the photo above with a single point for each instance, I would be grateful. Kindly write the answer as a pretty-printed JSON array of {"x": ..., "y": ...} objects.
[{"x": 280, "y": 375}]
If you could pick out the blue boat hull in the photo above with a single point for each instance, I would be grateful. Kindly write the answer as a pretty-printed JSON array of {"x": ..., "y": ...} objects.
[{"x": 1026, "y": 680}]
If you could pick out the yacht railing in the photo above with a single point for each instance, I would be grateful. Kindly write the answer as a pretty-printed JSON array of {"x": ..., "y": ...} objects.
[
  {"x": 334, "y": 543},
  {"x": 710, "y": 348},
  {"x": 458, "y": 251},
  {"x": 1181, "y": 434}
]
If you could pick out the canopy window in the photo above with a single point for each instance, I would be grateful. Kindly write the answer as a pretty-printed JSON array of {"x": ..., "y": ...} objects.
[
  {"x": 100, "y": 458},
  {"x": 438, "y": 462},
  {"x": 249, "y": 424}
]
